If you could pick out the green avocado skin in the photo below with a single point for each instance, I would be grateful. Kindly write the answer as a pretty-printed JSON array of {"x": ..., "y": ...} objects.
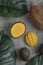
[
  {"x": 7, "y": 50},
  {"x": 24, "y": 54},
  {"x": 37, "y": 60},
  {"x": 41, "y": 49}
]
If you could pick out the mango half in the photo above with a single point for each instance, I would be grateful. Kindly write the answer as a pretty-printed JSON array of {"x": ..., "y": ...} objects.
[
  {"x": 17, "y": 29},
  {"x": 31, "y": 39}
]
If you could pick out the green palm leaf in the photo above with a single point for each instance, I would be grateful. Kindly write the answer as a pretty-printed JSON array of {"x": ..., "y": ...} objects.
[
  {"x": 7, "y": 50},
  {"x": 13, "y": 8},
  {"x": 37, "y": 60}
]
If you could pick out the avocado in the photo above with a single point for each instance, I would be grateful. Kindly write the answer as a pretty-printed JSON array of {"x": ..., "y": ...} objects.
[
  {"x": 41, "y": 49},
  {"x": 24, "y": 54}
]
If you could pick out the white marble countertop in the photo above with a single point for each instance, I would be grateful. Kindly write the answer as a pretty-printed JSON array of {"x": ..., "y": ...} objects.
[{"x": 6, "y": 23}]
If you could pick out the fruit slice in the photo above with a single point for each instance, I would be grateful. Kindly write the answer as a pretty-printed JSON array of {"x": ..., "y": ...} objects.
[
  {"x": 17, "y": 29},
  {"x": 31, "y": 39}
]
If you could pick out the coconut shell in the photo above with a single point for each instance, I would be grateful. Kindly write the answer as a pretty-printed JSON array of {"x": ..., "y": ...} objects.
[{"x": 36, "y": 15}]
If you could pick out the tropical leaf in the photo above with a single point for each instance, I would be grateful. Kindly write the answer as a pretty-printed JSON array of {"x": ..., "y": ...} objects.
[
  {"x": 37, "y": 60},
  {"x": 7, "y": 50},
  {"x": 13, "y": 8}
]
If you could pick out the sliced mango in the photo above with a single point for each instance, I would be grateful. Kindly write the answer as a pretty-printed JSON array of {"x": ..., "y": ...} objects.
[
  {"x": 17, "y": 29},
  {"x": 31, "y": 39}
]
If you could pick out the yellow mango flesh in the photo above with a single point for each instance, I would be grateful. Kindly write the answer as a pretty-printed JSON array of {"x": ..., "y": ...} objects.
[
  {"x": 31, "y": 39},
  {"x": 17, "y": 30}
]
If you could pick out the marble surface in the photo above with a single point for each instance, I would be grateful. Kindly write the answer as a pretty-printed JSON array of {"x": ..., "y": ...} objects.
[{"x": 5, "y": 25}]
